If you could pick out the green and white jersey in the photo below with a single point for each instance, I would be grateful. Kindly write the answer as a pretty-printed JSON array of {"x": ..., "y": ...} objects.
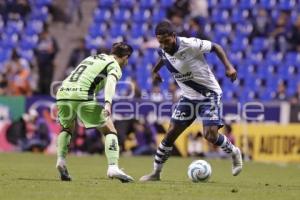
[{"x": 88, "y": 78}]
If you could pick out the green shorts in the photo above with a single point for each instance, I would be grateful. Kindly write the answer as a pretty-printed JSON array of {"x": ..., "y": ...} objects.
[{"x": 89, "y": 112}]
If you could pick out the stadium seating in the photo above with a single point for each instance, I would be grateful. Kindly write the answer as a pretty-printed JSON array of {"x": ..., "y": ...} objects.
[
  {"x": 22, "y": 34},
  {"x": 229, "y": 24},
  {"x": 259, "y": 68}
]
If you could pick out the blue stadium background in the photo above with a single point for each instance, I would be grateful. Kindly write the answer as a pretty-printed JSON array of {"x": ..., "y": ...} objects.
[{"x": 229, "y": 23}]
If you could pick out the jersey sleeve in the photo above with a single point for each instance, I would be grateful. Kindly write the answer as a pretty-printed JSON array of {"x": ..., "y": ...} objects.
[
  {"x": 115, "y": 71},
  {"x": 110, "y": 88},
  {"x": 160, "y": 53},
  {"x": 198, "y": 45}
]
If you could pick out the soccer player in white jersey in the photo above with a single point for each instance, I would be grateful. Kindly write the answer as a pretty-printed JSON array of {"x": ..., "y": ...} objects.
[{"x": 202, "y": 94}]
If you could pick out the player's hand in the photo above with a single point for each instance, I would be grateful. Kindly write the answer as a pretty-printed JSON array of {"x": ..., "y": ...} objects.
[
  {"x": 107, "y": 109},
  {"x": 156, "y": 78},
  {"x": 231, "y": 73}
]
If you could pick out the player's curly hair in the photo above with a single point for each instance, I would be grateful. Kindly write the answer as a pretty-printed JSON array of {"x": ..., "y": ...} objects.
[
  {"x": 165, "y": 28},
  {"x": 121, "y": 49}
]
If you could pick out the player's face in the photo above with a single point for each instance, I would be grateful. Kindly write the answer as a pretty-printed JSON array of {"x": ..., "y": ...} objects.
[
  {"x": 124, "y": 61},
  {"x": 167, "y": 42}
]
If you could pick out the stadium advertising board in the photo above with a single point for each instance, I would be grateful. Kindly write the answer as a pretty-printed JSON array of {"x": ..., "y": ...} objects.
[
  {"x": 269, "y": 142},
  {"x": 295, "y": 114}
]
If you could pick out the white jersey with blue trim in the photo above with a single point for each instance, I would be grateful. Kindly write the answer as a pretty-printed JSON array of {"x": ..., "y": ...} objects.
[{"x": 190, "y": 69}]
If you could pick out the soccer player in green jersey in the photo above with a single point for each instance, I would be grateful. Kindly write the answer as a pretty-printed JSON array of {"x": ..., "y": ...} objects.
[{"x": 76, "y": 97}]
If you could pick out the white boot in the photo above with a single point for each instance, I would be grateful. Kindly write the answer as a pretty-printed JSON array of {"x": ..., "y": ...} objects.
[
  {"x": 62, "y": 169},
  {"x": 113, "y": 171},
  {"x": 237, "y": 162}
]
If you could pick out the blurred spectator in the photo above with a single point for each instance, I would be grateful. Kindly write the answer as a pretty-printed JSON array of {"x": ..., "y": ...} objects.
[
  {"x": 145, "y": 139},
  {"x": 57, "y": 13},
  {"x": 213, "y": 151},
  {"x": 134, "y": 89},
  {"x": 296, "y": 97},
  {"x": 177, "y": 21},
  {"x": 174, "y": 91},
  {"x": 21, "y": 7},
  {"x": 3, "y": 10},
  {"x": 16, "y": 132},
  {"x": 281, "y": 94},
  {"x": 3, "y": 85},
  {"x": 198, "y": 8},
  {"x": 74, "y": 8},
  {"x": 39, "y": 139},
  {"x": 18, "y": 75},
  {"x": 180, "y": 7},
  {"x": 46, "y": 51},
  {"x": 156, "y": 95},
  {"x": 124, "y": 128},
  {"x": 86, "y": 141},
  {"x": 279, "y": 34},
  {"x": 93, "y": 141},
  {"x": 196, "y": 28},
  {"x": 77, "y": 55},
  {"x": 29, "y": 133},
  {"x": 78, "y": 145},
  {"x": 294, "y": 39},
  {"x": 195, "y": 144},
  {"x": 261, "y": 24}
]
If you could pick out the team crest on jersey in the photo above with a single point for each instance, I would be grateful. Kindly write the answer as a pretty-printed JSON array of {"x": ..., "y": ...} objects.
[
  {"x": 173, "y": 60},
  {"x": 201, "y": 44},
  {"x": 183, "y": 55}
]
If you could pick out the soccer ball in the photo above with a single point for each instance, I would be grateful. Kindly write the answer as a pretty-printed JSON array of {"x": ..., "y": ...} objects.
[{"x": 199, "y": 171}]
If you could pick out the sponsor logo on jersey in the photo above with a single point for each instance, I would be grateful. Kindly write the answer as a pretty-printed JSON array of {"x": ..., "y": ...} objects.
[
  {"x": 183, "y": 77},
  {"x": 71, "y": 89}
]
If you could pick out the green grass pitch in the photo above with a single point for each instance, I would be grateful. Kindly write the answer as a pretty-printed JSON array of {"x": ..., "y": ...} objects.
[{"x": 34, "y": 177}]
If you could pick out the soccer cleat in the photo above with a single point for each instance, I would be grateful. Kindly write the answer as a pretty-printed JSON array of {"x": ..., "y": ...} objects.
[
  {"x": 64, "y": 174},
  {"x": 154, "y": 176},
  {"x": 237, "y": 162},
  {"x": 114, "y": 172}
]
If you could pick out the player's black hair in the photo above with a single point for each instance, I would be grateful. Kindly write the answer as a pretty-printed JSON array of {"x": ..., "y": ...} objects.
[
  {"x": 165, "y": 28},
  {"x": 121, "y": 49}
]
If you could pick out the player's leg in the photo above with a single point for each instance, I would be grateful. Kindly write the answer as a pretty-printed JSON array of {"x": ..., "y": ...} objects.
[
  {"x": 210, "y": 112},
  {"x": 66, "y": 117},
  {"x": 112, "y": 152},
  {"x": 182, "y": 117},
  {"x": 164, "y": 151},
  {"x": 218, "y": 139},
  {"x": 91, "y": 114}
]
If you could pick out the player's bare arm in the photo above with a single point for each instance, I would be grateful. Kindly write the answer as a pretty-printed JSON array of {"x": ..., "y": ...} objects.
[
  {"x": 230, "y": 70},
  {"x": 155, "y": 74}
]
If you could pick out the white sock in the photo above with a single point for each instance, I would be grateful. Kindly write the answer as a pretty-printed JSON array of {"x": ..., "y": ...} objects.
[{"x": 61, "y": 161}]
